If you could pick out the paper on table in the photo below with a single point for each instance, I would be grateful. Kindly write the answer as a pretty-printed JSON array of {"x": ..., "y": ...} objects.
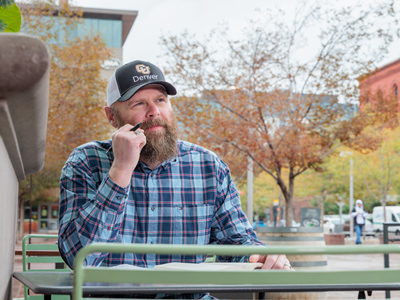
[
  {"x": 209, "y": 266},
  {"x": 127, "y": 266},
  {"x": 198, "y": 267}
]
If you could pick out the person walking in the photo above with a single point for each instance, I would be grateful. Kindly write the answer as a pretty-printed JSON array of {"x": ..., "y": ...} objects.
[{"x": 359, "y": 214}]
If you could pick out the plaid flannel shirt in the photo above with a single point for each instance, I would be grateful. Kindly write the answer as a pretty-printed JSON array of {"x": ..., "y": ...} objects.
[{"x": 190, "y": 199}]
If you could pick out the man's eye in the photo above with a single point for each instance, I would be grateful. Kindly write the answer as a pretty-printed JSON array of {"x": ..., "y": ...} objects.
[{"x": 161, "y": 100}]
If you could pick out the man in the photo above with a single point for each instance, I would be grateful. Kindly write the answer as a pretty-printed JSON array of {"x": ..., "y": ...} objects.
[{"x": 149, "y": 187}]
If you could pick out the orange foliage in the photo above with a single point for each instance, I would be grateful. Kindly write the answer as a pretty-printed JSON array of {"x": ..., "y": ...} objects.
[
  {"x": 77, "y": 91},
  {"x": 254, "y": 96}
]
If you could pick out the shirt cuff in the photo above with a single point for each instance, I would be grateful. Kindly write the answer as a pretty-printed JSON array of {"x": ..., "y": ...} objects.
[{"x": 112, "y": 195}]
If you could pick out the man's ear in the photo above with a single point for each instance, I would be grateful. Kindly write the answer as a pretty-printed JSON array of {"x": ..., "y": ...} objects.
[{"x": 110, "y": 116}]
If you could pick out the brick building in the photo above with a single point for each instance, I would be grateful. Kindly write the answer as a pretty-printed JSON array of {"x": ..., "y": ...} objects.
[{"x": 383, "y": 82}]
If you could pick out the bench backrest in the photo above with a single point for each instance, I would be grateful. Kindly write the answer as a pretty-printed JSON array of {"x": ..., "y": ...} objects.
[{"x": 41, "y": 255}]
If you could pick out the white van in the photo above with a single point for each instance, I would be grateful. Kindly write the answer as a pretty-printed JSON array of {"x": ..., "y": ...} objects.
[{"x": 392, "y": 216}]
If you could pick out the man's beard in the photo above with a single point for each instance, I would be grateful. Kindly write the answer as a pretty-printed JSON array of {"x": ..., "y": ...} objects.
[{"x": 160, "y": 146}]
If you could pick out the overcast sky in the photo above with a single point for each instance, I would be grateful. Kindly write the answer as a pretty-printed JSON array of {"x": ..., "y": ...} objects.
[{"x": 157, "y": 17}]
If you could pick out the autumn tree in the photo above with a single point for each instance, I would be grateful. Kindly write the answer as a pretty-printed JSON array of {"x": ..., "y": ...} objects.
[
  {"x": 77, "y": 90},
  {"x": 282, "y": 93},
  {"x": 379, "y": 171}
]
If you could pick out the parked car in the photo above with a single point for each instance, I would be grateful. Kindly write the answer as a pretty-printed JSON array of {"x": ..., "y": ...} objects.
[
  {"x": 392, "y": 216},
  {"x": 259, "y": 224},
  {"x": 331, "y": 225},
  {"x": 334, "y": 223},
  {"x": 282, "y": 223},
  {"x": 368, "y": 228}
]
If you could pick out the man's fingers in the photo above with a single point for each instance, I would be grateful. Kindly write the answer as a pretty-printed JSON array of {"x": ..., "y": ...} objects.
[
  {"x": 270, "y": 261},
  {"x": 280, "y": 262},
  {"x": 125, "y": 128},
  {"x": 255, "y": 258},
  {"x": 287, "y": 265},
  {"x": 275, "y": 262}
]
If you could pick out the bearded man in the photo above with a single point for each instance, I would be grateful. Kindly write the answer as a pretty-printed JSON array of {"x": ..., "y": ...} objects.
[{"x": 149, "y": 187}]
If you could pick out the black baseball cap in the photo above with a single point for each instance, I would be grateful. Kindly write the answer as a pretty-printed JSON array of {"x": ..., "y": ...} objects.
[{"x": 131, "y": 77}]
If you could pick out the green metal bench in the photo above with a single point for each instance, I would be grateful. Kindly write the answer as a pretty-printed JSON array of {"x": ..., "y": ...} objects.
[
  {"x": 46, "y": 255},
  {"x": 283, "y": 278}
]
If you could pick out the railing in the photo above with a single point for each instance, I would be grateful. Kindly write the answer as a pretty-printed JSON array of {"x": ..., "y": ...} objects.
[
  {"x": 320, "y": 278},
  {"x": 386, "y": 241}
]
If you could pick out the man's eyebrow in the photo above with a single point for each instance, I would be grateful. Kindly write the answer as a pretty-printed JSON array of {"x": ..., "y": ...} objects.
[{"x": 161, "y": 94}]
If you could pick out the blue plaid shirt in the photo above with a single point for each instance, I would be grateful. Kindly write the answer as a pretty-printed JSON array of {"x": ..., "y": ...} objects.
[{"x": 190, "y": 199}]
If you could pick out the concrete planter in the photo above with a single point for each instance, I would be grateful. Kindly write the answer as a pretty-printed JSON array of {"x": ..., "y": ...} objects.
[
  {"x": 297, "y": 236},
  {"x": 334, "y": 239}
]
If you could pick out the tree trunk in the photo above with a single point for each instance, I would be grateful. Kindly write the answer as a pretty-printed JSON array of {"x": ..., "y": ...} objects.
[
  {"x": 288, "y": 195},
  {"x": 289, "y": 200}
]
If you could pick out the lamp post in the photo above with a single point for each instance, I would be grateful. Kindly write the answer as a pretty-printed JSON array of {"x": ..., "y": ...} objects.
[{"x": 250, "y": 190}]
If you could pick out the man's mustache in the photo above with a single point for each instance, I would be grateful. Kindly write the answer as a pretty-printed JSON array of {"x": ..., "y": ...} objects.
[{"x": 154, "y": 122}]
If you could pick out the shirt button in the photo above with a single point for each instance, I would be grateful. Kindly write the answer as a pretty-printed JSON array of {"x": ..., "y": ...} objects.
[
  {"x": 119, "y": 197},
  {"x": 151, "y": 174},
  {"x": 153, "y": 208}
]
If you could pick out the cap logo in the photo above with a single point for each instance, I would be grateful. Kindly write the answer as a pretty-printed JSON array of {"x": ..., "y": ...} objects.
[{"x": 143, "y": 69}]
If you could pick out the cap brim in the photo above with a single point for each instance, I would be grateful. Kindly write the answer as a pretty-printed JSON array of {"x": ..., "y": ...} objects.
[{"x": 129, "y": 93}]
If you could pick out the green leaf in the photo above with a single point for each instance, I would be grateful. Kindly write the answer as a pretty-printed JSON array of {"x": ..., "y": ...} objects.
[
  {"x": 4, "y": 3},
  {"x": 10, "y": 18},
  {"x": 2, "y": 25}
]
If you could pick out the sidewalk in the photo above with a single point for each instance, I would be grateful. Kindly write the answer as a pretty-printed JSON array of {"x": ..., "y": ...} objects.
[
  {"x": 361, "y": 262},
  {"x": 335, "y": 262}
]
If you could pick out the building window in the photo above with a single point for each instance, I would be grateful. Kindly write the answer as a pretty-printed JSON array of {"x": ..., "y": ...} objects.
[
  {"x": 395, "y": 90},
  {"x": 109, "y": 30}
]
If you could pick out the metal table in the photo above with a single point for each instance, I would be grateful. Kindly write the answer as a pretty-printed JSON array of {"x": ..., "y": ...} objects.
[{"x": 56, "y": 283}]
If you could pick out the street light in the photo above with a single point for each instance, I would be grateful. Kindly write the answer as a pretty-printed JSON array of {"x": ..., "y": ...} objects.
[{"x": 250, "y": 190}]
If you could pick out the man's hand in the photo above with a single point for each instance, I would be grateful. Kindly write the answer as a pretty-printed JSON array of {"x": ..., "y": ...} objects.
[
  {"x": 272, "y": 261},
  {"x": 126, "y": 147}
]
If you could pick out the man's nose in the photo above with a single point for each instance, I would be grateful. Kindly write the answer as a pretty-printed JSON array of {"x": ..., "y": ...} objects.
[{"x": 153, "y": 111}]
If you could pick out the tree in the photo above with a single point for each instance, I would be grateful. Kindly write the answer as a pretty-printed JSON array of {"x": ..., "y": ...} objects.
[
  {"x": 268, "y": 96},
  {"x": 380, "y": 169},
  {"x": 10, "y": 16},
  {"x": 77, "y": 90}
]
